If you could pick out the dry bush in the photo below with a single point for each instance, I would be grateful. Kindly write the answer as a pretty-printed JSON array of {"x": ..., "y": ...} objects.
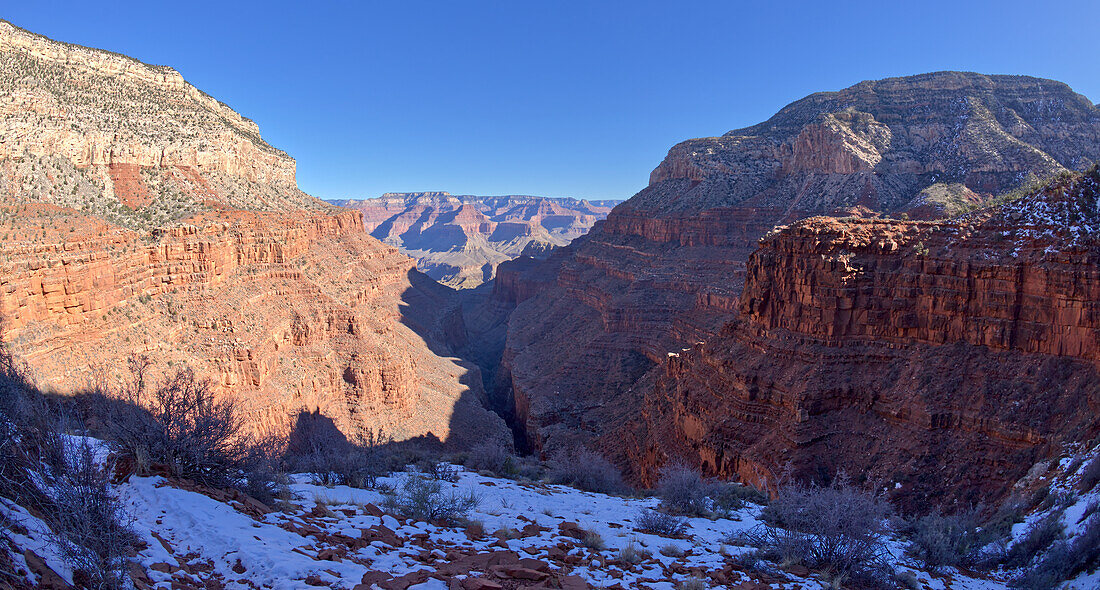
[
  {"x": 178, "y": 425},
  {"x": 437, "y": 469},
  {"x": 660, "y": 523},
  {"x": 1037, "y": 539},
  {"x": 594, "y": 541},
  {"x": 1064, "y": 560},
  {"x": 491, "y": 457},
  {"x": 585, "y": 470},
  {"x": 89, "y": 522},
  {"x": 836, "y": 529},
  {"x": 263, "y": 473},
  {"x": 954, "y": 540},
  {"x": 422, "y": 498},
  {"x": 683, "y": 490},
  {"x": 692, "y": 583},
  {"x": 633, "y": 554},
  {"x": 317, "y": 447},
  {"x": 1090, "y": 476},
  {"x": 672, "y": 551}
]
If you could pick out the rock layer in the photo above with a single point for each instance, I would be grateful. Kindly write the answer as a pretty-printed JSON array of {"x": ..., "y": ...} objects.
[
  {"x": 942, "y": 359},
  {"x": 143, "y": 217},
  {"x": 594, "y": 324},
  {"x": 459, "y": 240}
]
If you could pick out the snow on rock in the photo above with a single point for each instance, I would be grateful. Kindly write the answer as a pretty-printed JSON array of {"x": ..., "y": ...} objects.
[
  {"x": 533, "y": 532},
  {"x": 185, "y": 528}
]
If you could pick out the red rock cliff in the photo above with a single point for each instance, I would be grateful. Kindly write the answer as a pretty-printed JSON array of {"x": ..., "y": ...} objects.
[
  {"x": 938, "y": 359},
  {"x": 144, "y": 217}
]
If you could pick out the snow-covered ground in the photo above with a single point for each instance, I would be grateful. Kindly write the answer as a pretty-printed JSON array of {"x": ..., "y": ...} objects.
[{"x": 338, "y": 537}]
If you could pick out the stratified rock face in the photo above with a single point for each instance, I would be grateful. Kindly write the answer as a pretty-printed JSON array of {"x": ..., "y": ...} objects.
[
  {"x": 460, "y": 239},
  {"x": 594, "y": 324},
  {"x": 944, "y": 357},
  {"x": 878, "y": 144},
  {"x": 141, "y": 216}
]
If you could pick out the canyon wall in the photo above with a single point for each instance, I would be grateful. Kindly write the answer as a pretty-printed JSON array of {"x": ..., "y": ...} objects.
[
  {"x": 143, "y": 217},
  {"x": 593, "y": 326},
  {"x": 459, "y": 240},
  {"x": 937, "y": 360}
]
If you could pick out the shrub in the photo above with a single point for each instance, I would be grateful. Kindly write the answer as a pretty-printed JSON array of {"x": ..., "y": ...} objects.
[
  {"x": 491, "y": 457},
  {"x": 263, "y": 475},
  {"x": 672, "y": 551},
  {"x": 729, "y": 497},
  {"x": 1040, "y": 536},
  {"x": 586, "y": 470},
  {"x": 317, "y": 447},
  {"x": 683, "y": 491},
  {"x": 837, "y": 528},
  {"x": 1090, "y": 476},
  {"x": 632, "y": 554},
  {"x": 938, "y": 540},
  {"x": 1064, "y": 560},
  {"x": 437, "y": 469},
  {"x": 594, "y": 541},
  {"x": 692, "y": 583},
  {"x": 179, "y": 425},
  {"x": 659, "y": 523},
  {"x": 88, "y": 521},
  {"x": 422, "y": 498}
]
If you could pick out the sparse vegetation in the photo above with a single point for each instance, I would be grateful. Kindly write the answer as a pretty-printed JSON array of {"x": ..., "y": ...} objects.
[
  {"x": 586, "y": 470},
  {"x": 1064, "y": 560},
  {"x": 317, "y": 447},
  {"x": 491, "y": 457},
  {"x": 692, "y": 583},
  {"x": 1040, "y": 536},
  {"x": 633, "y": 554},
  {"x": 836, "y": 529},
  {"x": 63, "y": 481},
  {"x": 594, "y": 541},
  {"x": 955, "y": 540},
  {"x": 179, "y": 427},
  {"x": 1090, "y": 476},
  {"x": 423, "y": 498},
  {"x": 672, "y": 551},
  {"x": 683, "y": 491},
  {"x": 660, "y": 523}
]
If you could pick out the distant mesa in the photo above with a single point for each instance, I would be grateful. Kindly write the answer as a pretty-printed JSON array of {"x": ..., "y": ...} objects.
[{"x": 459, "y": 240}]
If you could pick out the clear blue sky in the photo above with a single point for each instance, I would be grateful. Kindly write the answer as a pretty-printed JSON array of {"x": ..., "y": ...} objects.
[{"x": 550, "y": 98}]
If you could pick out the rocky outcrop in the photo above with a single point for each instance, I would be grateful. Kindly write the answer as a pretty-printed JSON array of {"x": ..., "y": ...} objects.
[
  {"x": 143, "y": 217},
  {"x": 939, "y": 360},
  {"x": 460, "y": 240},
  {"x": 112, "y": 116},
  {"x": 594, "y": 324}
]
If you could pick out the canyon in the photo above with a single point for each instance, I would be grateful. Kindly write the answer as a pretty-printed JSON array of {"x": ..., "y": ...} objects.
[
  {"x": 459, "y": 240},
  {"x": 910, "y": 353},
  {"x": 848, "y": 286},
  {"x": 141, "y": 217},
  {"x": 694, "y": 333}
]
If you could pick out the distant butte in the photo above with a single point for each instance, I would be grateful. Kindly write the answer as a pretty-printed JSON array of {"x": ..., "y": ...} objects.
[{"x": 459, "y": 240}]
